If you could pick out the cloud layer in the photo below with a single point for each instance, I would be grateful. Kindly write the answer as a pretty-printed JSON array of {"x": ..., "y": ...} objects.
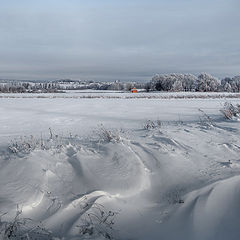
[{"x": 126, "y": 40}]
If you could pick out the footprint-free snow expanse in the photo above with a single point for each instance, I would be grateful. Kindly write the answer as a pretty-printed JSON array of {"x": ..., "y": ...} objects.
[{"x": 98, "y": 169}]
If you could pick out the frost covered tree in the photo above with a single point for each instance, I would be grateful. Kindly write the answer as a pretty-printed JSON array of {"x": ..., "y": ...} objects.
[
  {"x": 163, "y": 82},
  {"x": 207, "y": 83},
  {"x": 173, "y": 82},
  {"x": 157, "y": 83},
  {"x": 147, "y": 86},
  {"x": 227, "y": 88},
  {"x": 231, "y": 84},
  {"x": 227, "y": 85},
  {"x": 128, "y": 86},
  {"x": 177, "y": 86},
  {"x": 189, "y": 82},
  {"x": 236, "y": 83}
]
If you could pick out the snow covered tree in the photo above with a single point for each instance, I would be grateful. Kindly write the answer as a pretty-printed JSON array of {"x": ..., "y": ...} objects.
[
  {"x": 189, "y": 82},
  {"x": 207, "y": 83},
  {"x": 173, "y": 82},
  {"x": 177, "y": 86},
  {"x": 227, "y": 87},
  {"x": 236, "y": 83}
]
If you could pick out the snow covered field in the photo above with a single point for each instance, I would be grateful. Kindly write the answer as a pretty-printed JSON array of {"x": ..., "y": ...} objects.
[
  {"x": 118, "y": 168},
  {"x": 121, "y": 94}
]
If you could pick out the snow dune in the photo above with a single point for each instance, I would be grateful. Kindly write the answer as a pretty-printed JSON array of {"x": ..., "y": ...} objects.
[
  {"x": 211, "y": 212},
  {"x": 179, "y": 180}
]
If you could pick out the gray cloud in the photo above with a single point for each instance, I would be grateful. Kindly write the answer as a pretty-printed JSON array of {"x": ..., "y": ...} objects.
[{"x": 118, "y": 40}]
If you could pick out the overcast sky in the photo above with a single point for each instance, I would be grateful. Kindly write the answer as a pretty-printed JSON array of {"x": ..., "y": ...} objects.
[{"x": 118, "y": 39}]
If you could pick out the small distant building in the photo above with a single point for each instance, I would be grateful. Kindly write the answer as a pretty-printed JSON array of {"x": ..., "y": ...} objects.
[{"x": 134, "y": 90}]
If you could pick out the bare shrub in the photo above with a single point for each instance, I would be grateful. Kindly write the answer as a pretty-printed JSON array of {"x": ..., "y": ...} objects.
[
  {"x": 27, "y": 144},
  {"x": 230, "y": 111},
  {"x": 107, "y": 135},
  {"x": 98, "y": 222},
  {"x": 22, "y": 228},
  {"x": 149, "y": 124}
]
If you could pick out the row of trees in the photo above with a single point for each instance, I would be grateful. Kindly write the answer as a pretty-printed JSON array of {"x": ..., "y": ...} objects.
[
  {"x": 56, "y": 86},
  {"x": 82, "y": 85},
  {"x": 189, "y": 82},
  {"x": 160, "y": 82},
  {"x": 22, "y": 87}
]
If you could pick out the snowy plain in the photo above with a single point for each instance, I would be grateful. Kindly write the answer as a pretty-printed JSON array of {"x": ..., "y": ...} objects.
[
  {"x": 121, "y": 94},
  {"x": 118, "y": 168}
]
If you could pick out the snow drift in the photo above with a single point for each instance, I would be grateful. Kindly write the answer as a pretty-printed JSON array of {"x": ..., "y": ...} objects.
[{"x": 174, "y": 180}]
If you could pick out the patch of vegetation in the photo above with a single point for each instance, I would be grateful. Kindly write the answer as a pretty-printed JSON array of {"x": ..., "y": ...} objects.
[
  {"x": 149, "y": 124},
  {"x": 106, "y": 135},
  {"x": 20, "y": 228},
  {"x": 27, "y": 144},
  {"x": 98, "y": 222},
  {"x": 230, "y": 111}
]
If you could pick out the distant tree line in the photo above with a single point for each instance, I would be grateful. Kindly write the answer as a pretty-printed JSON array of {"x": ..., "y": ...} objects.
[
  {"x": 160, "y": 82},
  {"x": 189, "y": 82},
  {"x": 22, "y": 87},
  {"x": 62, "y": 85},
  {"x": 114, "y": 86}
]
